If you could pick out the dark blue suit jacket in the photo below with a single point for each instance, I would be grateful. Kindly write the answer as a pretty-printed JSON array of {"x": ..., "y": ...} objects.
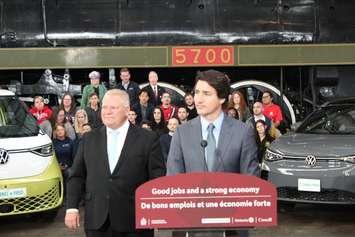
[
  {"x": 132, "y": 90},
  {"x": 149, "y": 113}
]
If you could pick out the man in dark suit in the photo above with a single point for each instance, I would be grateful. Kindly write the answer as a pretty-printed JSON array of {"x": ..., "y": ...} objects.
[
  {"x": 131, "y": 87},
  {"x": 143, "y": 109},
  {"x": 213, "y": 142},
  {"x": 190, "y": 106},
  {"x": 154, "y": 90},
  {"x": 112, "y": 162},
  {"x": 258, "y": 115},
  {"x": 165, "y": 139}
]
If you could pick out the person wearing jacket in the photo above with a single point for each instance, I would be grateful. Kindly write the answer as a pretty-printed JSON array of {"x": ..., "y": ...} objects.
[
  {"x": 42, "y": 114},
  {"x": 94, "y": 86}
]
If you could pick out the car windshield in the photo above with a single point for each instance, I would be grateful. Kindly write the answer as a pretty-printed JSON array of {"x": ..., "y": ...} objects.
[
  {"x": 339, "y": 119},
  {"x": 15, "y": 121}
]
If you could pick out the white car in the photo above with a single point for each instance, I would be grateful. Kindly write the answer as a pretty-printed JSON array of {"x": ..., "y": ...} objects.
[{"x": 30, "y": 177}]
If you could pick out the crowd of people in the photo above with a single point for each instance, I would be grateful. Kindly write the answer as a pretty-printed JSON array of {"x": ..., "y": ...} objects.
[
  {"x": 119, "y": 112},
  {"x": 150, "y": 108}
]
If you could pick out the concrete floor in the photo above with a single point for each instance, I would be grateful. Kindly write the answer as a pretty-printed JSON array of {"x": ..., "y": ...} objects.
[{"x": 304, "y": 221}]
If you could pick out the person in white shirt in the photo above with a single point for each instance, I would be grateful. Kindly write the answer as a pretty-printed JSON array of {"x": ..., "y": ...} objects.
[{"x": 112, "y": 162}]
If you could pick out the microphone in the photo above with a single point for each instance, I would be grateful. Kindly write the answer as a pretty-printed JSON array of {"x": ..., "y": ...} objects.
[{"x": 203, "y": 143}]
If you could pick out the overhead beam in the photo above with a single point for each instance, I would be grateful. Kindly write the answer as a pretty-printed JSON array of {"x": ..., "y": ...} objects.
[
  {"x": 163, "y": 56},
  {"x": 83, "y": 57},
  {"x": 284, "y": 55}
]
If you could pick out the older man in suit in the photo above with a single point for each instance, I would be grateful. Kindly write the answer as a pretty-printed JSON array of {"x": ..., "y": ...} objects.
[
  {"x": 154, "y": 90},
  {"x": 213, "y": 142},
  {"x": 112, "y": 161}
]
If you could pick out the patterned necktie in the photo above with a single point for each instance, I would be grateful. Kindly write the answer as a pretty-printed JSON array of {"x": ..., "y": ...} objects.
[{"x": 211, "y": 147}]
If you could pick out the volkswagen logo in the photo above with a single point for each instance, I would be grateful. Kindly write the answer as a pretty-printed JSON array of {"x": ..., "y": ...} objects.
[
  {"x": 311, "y": 160},
  {"x": 4, "y": 156}
]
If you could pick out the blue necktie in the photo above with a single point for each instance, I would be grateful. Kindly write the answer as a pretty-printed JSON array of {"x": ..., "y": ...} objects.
[
  {"x": 211, "y": 147},
  {"x": 113, "y": 155}
]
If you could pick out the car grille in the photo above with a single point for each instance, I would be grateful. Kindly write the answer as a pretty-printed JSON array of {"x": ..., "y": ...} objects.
[
  {"x": 322, "y": 159},
  {"x": 325, "y": 196},
  {"x": 48, "y": 200}
]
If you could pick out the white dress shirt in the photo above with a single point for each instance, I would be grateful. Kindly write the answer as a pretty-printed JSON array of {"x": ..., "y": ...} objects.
[{"x": 115, "y": 142}]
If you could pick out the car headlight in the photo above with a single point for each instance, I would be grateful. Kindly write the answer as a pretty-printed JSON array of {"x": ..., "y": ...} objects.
[
  {"x": 349, "y": 159},
  {"x": 44, "y": 150},
  {"x": 272, "y": 156}
]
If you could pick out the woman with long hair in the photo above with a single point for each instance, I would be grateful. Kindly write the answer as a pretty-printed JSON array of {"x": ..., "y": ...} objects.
[
  {"x": 69, "y": 106},
  {"x": 60, "y": 118},
  {"x": 262, "y": 137},
  {"x": 81, "y": 118},
  {"x": 158, "y": 123},
  {"x": 238, "y": 102}
]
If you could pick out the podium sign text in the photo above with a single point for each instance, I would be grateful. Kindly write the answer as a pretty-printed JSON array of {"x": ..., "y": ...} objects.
[{"x": 206, "y": 200}]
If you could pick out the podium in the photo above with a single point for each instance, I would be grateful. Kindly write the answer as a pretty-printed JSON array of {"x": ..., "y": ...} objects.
[{"x": 205, "y": 204}]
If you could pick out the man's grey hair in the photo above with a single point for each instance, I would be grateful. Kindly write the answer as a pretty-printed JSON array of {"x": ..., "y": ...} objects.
[
  {"x": 94, "y": 75},
  {"x": 153, "y": 72},
  {"x": 120, "y": 93}
]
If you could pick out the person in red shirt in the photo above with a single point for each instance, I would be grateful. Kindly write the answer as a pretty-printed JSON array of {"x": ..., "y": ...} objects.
[
  {"x": 169, "y": 111},
  {"x": 43, "y": 114},
  {"x": 40, "y": 111},
  {"x": 271, "y": 110}
]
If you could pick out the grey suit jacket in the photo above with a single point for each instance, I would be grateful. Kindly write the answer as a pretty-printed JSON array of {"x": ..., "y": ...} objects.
[{"x": 236, "y": 149}]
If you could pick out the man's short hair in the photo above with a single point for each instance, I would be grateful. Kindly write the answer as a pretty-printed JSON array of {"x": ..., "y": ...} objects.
[
  {"x": 124, "y": 70},
  {"x": 121, "y": 93},
  {"x": 153, "y": 72},
  {"x": 269, "y": 92},
  {"x": 94, "y": 75},
  {"x": 188, "y": 94},
  {"x": 218, "y": 80},
  {"x": 165, "y": 92},
  {"x": 183, "y": 107},
  {"x": 143, "y": 91},
  {"x": 258, "y": 102}
]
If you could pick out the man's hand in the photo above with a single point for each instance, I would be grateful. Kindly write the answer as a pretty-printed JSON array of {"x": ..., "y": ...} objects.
[{"x": 72, "y": 220}]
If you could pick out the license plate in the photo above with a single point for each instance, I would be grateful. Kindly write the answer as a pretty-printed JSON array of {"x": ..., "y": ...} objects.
[
  {"x": 309, "y": 185},
  {"x": 13, "y": 193}
]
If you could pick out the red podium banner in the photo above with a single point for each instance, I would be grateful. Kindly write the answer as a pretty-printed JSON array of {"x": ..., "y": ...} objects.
[{"x": 206, "y": 200}]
